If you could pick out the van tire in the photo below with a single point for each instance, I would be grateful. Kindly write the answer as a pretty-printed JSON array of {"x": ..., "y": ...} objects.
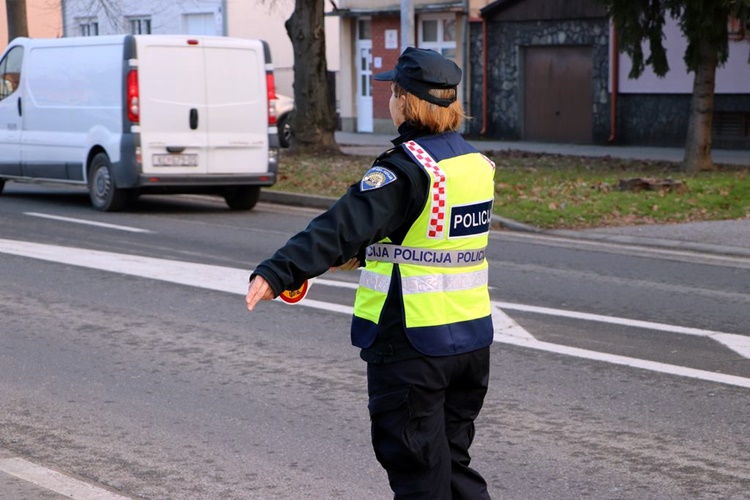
[
  {"x": 2, "y": 185},
  {"x": 105, "y": 196},
  {"x": 285, "y": 131},
  {"x": 242, "y": 197}
]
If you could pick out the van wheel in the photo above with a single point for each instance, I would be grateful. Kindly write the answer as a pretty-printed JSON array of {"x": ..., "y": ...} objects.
[
  {"x": 242, "y": 197},
  {"x": 285, "y": 131},
  {"x": 105, "y": 196}
]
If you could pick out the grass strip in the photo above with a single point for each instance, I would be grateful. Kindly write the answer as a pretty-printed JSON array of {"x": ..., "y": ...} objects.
[{"x": 562, "y": 192}]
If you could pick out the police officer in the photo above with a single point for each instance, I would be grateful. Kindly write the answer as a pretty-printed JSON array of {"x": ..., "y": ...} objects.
[{"x": 419, "y": 222}]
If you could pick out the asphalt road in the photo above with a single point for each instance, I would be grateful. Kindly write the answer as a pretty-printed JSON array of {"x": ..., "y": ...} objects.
[{"x": 129, "y": 365}]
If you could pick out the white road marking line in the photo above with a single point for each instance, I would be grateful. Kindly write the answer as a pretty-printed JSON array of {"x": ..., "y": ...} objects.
[
  {"x": 630, "y": 248},
  {"x": 234, "y": 281},
  {"x": 223, "y": 279},
  {"x": 626, "y": 361},
  {"x": 607, "y": 319},
  {"x": 337, "y": 284},
  {"x": 88, "y": 222},
  {"x": 505, "y": 326},
  {"x": 326, "y": 306},
  {"x": 55, "y": 481},
  {"x": 738, "y": 343}
]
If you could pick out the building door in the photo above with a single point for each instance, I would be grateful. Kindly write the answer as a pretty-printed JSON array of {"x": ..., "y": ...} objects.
[
  {"x": 558, "y": 94},
  {"x": 364, "y": 76}
]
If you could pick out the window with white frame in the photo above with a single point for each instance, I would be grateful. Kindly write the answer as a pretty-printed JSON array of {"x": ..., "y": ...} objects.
[
  {"x": 140, "y": 25},
  {"x": 438, "y": 32},
  {"x": 364, "y": 29},
  {"x": 88, "y": 26}
]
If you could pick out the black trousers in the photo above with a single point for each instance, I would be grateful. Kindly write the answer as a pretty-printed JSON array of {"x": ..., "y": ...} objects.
[{"x": 422, "y": 412}]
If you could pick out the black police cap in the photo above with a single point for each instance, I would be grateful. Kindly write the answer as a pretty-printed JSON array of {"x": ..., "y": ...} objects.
[{"x": 420, "y": 70}]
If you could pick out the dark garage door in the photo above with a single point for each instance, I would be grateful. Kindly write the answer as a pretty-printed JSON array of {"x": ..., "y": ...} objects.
[{"x": 558, "y": 97}]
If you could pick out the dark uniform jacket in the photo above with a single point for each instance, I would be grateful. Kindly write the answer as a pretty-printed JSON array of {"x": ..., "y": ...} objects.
[{"x": 355, "y": 221}]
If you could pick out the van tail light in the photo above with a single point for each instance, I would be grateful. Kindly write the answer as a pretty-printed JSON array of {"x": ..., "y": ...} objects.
[
  {"x": 133, "y": 102},
  {"x": 271, "y": 98}
]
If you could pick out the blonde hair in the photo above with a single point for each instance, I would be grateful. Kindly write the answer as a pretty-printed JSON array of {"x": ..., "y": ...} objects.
[{"x": 436, "y": 119}]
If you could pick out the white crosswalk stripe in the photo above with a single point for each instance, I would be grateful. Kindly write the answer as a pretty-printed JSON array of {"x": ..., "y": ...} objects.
[{"x": 232, "y": 280}]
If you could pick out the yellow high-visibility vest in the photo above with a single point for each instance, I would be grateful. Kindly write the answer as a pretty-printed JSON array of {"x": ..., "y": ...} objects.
[{"x": 441, "y": 261}]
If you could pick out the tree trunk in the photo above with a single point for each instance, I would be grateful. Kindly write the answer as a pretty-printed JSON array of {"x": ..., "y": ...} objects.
[
  {"x": 314, "y": 119},
  {"x": 698, "y": 145},
  {"x": 17, "y": 22}
]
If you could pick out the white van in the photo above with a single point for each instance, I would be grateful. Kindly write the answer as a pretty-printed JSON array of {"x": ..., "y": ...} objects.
[{"x": 130, "y": 114}]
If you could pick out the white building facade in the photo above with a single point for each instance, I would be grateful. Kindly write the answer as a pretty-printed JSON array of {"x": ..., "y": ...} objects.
[{"x": 256, "y": 19}]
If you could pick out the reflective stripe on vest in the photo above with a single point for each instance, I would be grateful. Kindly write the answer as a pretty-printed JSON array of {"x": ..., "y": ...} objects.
[{"x": 426, "y": 283}]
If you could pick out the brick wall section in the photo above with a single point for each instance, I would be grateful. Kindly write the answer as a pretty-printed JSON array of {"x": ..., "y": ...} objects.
[{"x": 381, "y": 91}]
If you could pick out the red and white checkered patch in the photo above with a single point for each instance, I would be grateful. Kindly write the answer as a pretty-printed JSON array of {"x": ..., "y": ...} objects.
[
  {"x": 492, "y": 163},
  {"x": 436, "y": 225}
]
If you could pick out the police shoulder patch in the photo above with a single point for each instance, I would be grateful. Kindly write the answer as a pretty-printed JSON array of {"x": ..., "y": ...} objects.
[{"x": 375, "y": 178}]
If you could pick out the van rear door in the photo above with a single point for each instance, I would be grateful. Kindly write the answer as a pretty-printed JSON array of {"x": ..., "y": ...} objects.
[
  {"x": 237, "y": 106},
  {"x": 203, "y": 105},
  {"x": 172, "y": 93}
]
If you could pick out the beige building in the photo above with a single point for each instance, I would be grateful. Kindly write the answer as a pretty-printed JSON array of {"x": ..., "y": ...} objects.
[
  {"x": 265, "y": 19},
  {"x": 44, "y": 18},
  {"x": 258, "y": 19}
]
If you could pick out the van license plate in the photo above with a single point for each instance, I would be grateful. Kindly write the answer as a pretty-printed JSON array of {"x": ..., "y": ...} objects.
[{"x": 175, "y": 160}]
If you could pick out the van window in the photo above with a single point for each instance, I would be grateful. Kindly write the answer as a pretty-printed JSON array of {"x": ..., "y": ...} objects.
[
  {"x": 90, "y": 75},
  {"x": 10, "y": 72}
]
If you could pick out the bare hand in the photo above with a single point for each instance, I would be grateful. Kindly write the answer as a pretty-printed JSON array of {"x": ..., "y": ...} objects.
[
  {"x": 257, "y": 290},
  {"x": 349, "y": 265}
]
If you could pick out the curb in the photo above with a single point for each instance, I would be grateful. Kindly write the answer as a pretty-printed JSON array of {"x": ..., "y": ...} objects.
[
  {"x": 514, "y": 225},
  {"x": 296, "y": 199},
  {"x": 324, "y": 203},
  {"x": 664, "y": 243}
]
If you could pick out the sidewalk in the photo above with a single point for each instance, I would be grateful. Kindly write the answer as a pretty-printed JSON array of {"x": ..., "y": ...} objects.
[
  {"x": 715, "y": 237},
  {"x": 377, "y": 143}
]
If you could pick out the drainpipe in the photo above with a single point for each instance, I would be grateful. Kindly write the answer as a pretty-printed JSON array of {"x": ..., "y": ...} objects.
[
  {"x": 407, "y": 25},
  {"x": 224, "y": 20},
  {"x": 465, "y": 53},
  {"x": 615, "y": 61},
  {"x": 485, "y": 73},
  {"x": 63, "y": 12}
]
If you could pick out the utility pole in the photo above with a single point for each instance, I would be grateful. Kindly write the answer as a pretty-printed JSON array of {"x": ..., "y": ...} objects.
[{"x": 407, "y": 24}]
